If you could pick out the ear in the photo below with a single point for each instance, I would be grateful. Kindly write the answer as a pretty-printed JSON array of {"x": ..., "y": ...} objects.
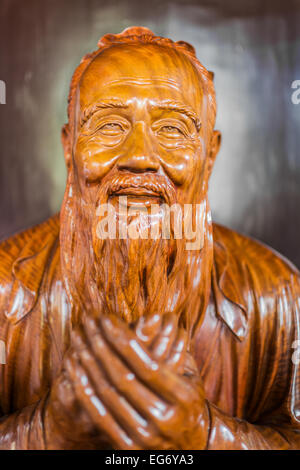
[
  {"x": 66, "y": 142},
  {"x": 215, "y": 144}
]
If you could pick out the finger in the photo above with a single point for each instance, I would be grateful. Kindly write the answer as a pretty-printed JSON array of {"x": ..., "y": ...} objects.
[
  {"x": 177, "y": 357},
  {"x": 129, "y": 419},
  {"x": 158, "y": 377},
  {"x": 99, "y": 414},
  {"x": 162, "y": 344},
  {"x": 143, "y": 399},
  {"x": 148, "y": 327}
]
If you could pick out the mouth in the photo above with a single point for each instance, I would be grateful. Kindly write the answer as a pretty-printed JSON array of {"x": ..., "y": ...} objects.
[{"x": 137, "y": 196}]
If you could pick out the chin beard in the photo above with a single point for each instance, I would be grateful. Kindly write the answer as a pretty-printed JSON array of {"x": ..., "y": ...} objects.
[
  {"x": 136, "y": 277},
  {"x": 131, "y": 278}
]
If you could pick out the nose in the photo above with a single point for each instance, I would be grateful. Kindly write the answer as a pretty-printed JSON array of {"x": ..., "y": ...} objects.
[{"x": 139, "y": 157}]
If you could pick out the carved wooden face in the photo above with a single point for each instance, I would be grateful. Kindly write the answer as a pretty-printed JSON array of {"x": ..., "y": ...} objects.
[{"x": 140, "y": 111}]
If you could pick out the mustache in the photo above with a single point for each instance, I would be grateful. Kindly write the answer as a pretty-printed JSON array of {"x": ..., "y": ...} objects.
[{"x": 158, "y": 185}]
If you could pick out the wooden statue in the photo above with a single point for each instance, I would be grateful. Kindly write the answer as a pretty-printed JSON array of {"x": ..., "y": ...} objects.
[{"x": 141, "y": 343}]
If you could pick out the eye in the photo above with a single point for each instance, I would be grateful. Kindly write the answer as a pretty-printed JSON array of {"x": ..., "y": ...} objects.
[
  {"x": 111, "y": 128},
  {"x": 170, "y": 131}
]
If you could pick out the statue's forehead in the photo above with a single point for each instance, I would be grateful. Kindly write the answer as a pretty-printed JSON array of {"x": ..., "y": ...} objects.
[{"x": 153, "y": 68}]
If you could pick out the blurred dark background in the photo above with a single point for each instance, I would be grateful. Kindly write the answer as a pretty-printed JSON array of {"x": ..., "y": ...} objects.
[{"x": 252, "y": 46}]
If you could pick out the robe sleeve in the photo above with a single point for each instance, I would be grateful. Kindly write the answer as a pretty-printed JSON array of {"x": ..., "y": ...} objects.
[
  {"x": 274, "y": 422},
  {"x": 24, "y": 429}
]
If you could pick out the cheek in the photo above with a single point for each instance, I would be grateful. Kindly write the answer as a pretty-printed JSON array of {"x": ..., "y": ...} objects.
[
  {"x": 94, "y": 161},
  {"x": 182, "y": 164}
]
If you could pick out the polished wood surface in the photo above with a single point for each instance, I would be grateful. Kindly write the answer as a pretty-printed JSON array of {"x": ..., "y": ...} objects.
[{"x": 142, "y": 344}]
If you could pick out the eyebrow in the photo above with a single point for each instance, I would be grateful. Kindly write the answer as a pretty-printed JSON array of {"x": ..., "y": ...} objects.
[
  {"x": 88, "y": 112},
  {"x": 168, "y": 105},
  {"x": 179, "y": 107}
]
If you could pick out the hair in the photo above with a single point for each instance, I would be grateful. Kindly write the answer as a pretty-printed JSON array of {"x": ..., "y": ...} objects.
[{"x": 138, "y": 35}]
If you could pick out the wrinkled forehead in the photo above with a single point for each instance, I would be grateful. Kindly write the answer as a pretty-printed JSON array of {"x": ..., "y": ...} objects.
[{"x": 155, "y": 68}]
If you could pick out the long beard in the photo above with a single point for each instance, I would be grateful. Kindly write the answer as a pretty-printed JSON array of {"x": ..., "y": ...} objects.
[{"x": 132, "y": 278}]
